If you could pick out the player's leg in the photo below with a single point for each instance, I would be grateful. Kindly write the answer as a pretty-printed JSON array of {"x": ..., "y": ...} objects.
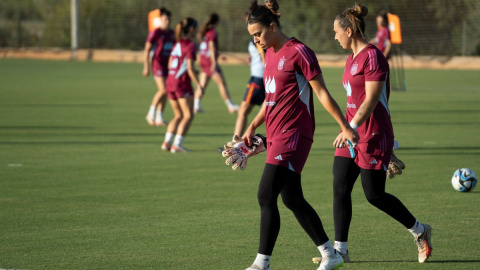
[
  {"x": 186, "y": 106},
  {"x": 373, "y": 182},
  {"x": 173, "y": 125},
  {"x": 203, "y": 80},
  {"x": 159, "y": 100},
  {"x": 345, "y": 173},
  {"x": 223, "y": 90},
  {"x": 241, "y": 122}
]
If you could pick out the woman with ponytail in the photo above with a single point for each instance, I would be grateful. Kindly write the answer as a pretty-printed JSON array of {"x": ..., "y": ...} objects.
[
  {"x": 161, "y": 42},
  {"x": 291, "y": 76},
  {"x": 209, "y": 63},
  {"x": 366, "y": 80},
  {"x": 179, "y": 87},
  {"x": 382, "y": 39}
]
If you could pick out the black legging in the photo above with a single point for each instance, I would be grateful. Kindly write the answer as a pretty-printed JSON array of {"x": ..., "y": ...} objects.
[
  {"x": 345, "y": 173},
  {"x": 280, "y": 180}
]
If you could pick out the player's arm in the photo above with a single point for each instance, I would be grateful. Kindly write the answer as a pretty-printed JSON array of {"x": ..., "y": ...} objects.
[
  {"x": 192, "y": 73},
  {"x": 320, "y": 89},
  {"x": 388, "y": 47},
  {"x": 213, "y": 54},
  {"x": 373, "y": 90},
  {"x": 146, "y": 58},
  {"x": 256, "y": 122}
]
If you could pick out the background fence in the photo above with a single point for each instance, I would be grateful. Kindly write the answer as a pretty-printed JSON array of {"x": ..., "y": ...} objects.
[{"x": 432, "y": 27}]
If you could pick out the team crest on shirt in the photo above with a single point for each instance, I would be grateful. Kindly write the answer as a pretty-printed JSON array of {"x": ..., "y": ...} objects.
[
  {"x": 353, "y": 70},
  {"x": 281, "y": 63}
]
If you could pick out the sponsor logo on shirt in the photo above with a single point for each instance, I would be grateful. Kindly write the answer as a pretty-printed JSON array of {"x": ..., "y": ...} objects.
[
  {"x": 281, "y": 63},
  {"x": 270, "y": 85},
  {"x": 279, "y": 157},
  {"x": 270, "y": 103},
  {"x": 354, "y": 68},
  {"x": 351, "y": 106},
  {"x": 348, "y": 88},
  {"x": 374, "y": 162}
]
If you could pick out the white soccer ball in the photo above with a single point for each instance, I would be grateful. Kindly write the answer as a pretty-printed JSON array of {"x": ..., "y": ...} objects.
[{"x": 464, "y": 180}]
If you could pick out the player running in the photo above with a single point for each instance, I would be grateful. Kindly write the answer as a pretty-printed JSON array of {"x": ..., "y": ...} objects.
[
  {"x": 161, "y": 39},
  {"x": 209, "y": 63},
  {"x": 366, "y": 79},
  {"x": 179, "y": 86},
  {"x": 291, "y": 72}
]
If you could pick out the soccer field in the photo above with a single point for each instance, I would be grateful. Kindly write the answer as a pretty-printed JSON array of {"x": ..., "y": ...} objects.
[{"x": 85, "y": 185}]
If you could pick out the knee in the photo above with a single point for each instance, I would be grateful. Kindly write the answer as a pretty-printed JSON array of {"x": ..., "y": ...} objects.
[
  {"x": 293, "y": 204},
  {"x": 265, "y": 199},
  {"x": 375, "y": 199}
]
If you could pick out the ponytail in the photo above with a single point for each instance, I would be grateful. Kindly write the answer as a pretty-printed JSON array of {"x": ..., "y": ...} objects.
[
  {"x": 183, "y": 27},
  {"x": 211, "y": 21},
  {"x": 354, "y": 18}
]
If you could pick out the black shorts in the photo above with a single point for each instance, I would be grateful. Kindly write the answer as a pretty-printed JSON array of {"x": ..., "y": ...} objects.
[{"x": 255, "y": 93}]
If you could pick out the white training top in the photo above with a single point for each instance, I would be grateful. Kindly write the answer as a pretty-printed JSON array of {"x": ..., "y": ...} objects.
[{"x": 256, "y": 64}]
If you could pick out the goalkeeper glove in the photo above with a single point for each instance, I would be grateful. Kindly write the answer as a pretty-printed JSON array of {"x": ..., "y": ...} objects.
[
  {"x": 395, "y": 166},
  {"x": 237, "y": 152}
]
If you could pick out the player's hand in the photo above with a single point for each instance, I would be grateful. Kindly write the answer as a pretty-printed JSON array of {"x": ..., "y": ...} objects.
[
  {"x": 395, "y": 166},
  {"x": 240, "y": 152},
  {"x": 338, "y": 142},
  {"x": 351, "y": 135},
  {"x": 145, "y": 72}
]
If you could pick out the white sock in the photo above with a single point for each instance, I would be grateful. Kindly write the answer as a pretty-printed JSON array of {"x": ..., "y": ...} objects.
[
  {"x": 159, "y": 115},
  {"x": 178, "y": 140},
  {"x": 229, "y": 103},
  {"x": 151, "y": 111},
  {"x": 168, "y": 137},
  {"x": 196, "y": 104},
  {"x": 326, "y": 249},
  {"x": 262, "y": 260},
  {"x": 417, "y": 229},
  {"x": 341, "y": 246}
]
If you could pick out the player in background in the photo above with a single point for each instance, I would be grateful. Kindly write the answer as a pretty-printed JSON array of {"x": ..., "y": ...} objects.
[
  {"x": 366, "y": 80},
  {"x": 382, "y": 39},
  {"x": 255, "y": 92},
  {"x": 209, "y": 64},
  {"x": 291, "y": 73},
  {"x": 162, "y": 40},
  {"x": 179, "y": 86}
]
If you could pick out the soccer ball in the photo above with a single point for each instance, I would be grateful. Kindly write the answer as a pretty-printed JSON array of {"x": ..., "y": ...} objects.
[{"x": 464, "y": 180}]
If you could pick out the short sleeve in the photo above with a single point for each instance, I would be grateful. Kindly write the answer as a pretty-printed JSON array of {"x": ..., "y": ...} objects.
[
  {"x": 306, "y": 61},
  {"x": 192, "y": 52},
  {"x": 151, "y": 36},
  {"x": 376, "y": 66}
]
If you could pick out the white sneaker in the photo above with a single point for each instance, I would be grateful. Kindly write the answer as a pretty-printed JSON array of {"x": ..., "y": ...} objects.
[
  {"x": 150, "y": 120},
  {"x": 178, "y": 149},
  {"x": 424, "y": 244},
  {"x": 233, "y": 108},
  {"x": 166, "y": 146},
  {"x": 198, "y": 110},
  {"x": 331, "y": 263},
  {"x": 160, "y": 122},
  {"x": 345, "y": 256},
  {"x": 256, "y": 267}
]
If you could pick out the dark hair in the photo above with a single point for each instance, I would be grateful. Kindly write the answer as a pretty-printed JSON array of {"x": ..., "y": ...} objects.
[
  {"x": 183, "y": 27},
  {"x": 353, "y": 18},
  {"x": 211, "y": 21},
  {"x": 264, "y": 14},
  {"x": 165, "y": 11},
  {"x": 384, "y": 16}
]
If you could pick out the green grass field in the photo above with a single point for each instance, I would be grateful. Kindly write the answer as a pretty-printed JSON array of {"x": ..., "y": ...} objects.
[{"x": 85, "y": 185}]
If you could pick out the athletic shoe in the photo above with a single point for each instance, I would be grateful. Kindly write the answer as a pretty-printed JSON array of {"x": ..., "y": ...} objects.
[
  {"x": 160, "y": 122},
  {"x": 256, "y": 267},
  {"x": 424, "y": 244},
  {"x": 166, "y": 146},
  {"x": 331, "y": 263},
  {"x": 345, "y": 256},
  {"x": 198, "y": 110},
  {"x": 150, "y": 119},
  {"x": 233, "y": 108},
  {"x": 178, "y": 149}
]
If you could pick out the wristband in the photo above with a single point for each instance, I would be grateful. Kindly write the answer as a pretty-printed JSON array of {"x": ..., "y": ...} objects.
[{"x": 353, "y": 125}]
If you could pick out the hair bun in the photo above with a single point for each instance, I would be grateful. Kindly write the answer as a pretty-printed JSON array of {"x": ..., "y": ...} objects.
[
  {"x": 273, "y": 6},
  {"x": 360, "y": 10}
]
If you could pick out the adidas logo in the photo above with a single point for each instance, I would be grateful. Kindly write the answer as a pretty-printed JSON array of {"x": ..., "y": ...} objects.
[
  {"x": 374, "y": 162},
  {"x": 279, "y": 157}
]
